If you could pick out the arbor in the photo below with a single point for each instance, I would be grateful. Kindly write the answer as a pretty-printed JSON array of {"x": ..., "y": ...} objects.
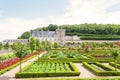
[
  {"x": 21, "y": 53},
  {"x": 114, "y": 54}
]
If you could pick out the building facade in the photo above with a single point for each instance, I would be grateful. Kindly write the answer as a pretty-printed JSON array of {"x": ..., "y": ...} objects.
[
  {"x": 11, "y": 41},
  {"x": 52, "y": 36}
]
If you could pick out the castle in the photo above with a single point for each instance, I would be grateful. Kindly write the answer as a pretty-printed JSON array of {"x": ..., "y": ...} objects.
[{"x": 52, "y": 36}]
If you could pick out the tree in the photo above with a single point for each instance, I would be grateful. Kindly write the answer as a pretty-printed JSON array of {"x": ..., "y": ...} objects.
[
  {"x": 25, "y": 35},
  {"x": 32, "y": 44},
  {"x": 6, "y": 46},
  {"x": 43, "y": 45},
  {"x": 15, "y": 46},
  {"x": 93, "y": 44},
  {"x": 48, "y": 46},
  {"x": 115, "y": 54},
  {"x": 0, "y": 46},
  {"x": 21, "y": 53},
  {"x": 37, "y": 45},
  {"x": 55, "y": 45},
  {"x": 83, "y": 44}
]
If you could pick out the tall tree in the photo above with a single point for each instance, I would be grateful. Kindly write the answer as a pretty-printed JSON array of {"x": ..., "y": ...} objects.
[
  {"x": 37, "y": 45},
  {"x": 32, "y": 44},
  {"x": 21, "y": 53}
]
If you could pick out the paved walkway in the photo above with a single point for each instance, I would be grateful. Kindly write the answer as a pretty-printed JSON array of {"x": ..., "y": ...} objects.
[
  {"x": 10, "y": 75},
  {"x": 84, "y": 72}
]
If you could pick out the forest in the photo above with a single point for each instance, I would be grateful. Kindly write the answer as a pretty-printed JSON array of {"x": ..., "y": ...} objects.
[{"x": 85, "y": 31}]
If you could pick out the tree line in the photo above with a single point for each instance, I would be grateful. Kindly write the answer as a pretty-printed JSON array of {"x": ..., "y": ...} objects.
[{"x": 81, "y": 29}]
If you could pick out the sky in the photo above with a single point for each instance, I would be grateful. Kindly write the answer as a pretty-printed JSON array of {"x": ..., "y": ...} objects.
[{"x": 18, "y": 16}]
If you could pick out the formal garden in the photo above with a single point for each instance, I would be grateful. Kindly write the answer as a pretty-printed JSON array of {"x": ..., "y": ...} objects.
[{"x": 102, "y": 60}]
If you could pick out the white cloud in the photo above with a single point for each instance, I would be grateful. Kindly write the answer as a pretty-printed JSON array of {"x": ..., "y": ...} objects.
[
  {"x": 78, "y": 11},
  {"x": 13, "y": 27}
]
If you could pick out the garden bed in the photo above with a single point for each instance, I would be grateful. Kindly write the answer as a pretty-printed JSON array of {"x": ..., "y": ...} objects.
[
  {"x": 48, "y": 69},
  {"x": 101, "y": 69}
]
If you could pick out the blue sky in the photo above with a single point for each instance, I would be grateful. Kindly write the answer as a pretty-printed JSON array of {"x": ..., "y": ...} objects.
[
  {"x": 18, "y": 16},
  {"x": 32, "y": 8}
]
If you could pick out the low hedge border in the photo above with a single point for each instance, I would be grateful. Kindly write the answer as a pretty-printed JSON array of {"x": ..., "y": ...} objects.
[
  {"x": 113, "y": 64},
  {"x": 77, "y": 79},
  {"x": 47, "y": 74},
  {"x": 100, "y": 73},
  {"x": 13, "y": 66},
  {"x": 107, "y": 68},
  {"x": 77, "y": 60},
  {"x": 80, "y": 79}
]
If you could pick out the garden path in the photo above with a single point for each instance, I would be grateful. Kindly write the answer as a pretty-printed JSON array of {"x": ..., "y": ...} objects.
[{"x": 10, "y": 75}]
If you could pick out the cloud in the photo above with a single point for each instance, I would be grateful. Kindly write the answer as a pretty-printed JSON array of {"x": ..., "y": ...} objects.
[
  {"x": 77, "y": 11},
  {"x": 11, "y": 28},
  {"x": 90, "y": 11}
]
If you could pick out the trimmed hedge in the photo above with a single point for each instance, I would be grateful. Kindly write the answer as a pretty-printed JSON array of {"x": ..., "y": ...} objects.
[
  {"x": 113, "y": 64},
  {"x": 107, "y": 68},
  {"x": 100, "y": 37},
  {"x": 78, "y": 79},
  {"x": 75, "y": 72},
  {"x": 78, "y": 60},
  {"x": 101, "y": 73}
]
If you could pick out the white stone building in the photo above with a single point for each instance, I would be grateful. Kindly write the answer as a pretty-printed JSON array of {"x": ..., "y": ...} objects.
[
  {"x": 52, "y": 36},
  {"x": 11, "y": 41},
  {"x": 72, "y": 38}
]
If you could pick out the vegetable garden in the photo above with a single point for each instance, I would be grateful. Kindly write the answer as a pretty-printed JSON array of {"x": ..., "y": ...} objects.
[{"x": 48, "y": 69}]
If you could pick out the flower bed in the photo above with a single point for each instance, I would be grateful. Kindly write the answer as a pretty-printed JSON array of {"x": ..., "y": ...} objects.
[{"x": 48, "y": 69}]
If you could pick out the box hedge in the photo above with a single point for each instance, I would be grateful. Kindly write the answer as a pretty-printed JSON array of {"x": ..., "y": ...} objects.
[
  {"x": 24, "y": 74},
  {"x": 101, "y": 73}
]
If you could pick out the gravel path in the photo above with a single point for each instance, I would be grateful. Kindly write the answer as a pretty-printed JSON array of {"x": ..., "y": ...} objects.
[{"x": 85, "y": 73}]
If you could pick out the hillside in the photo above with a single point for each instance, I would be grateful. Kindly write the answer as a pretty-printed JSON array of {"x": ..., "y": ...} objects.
[{"x": 85, "y": 31}]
